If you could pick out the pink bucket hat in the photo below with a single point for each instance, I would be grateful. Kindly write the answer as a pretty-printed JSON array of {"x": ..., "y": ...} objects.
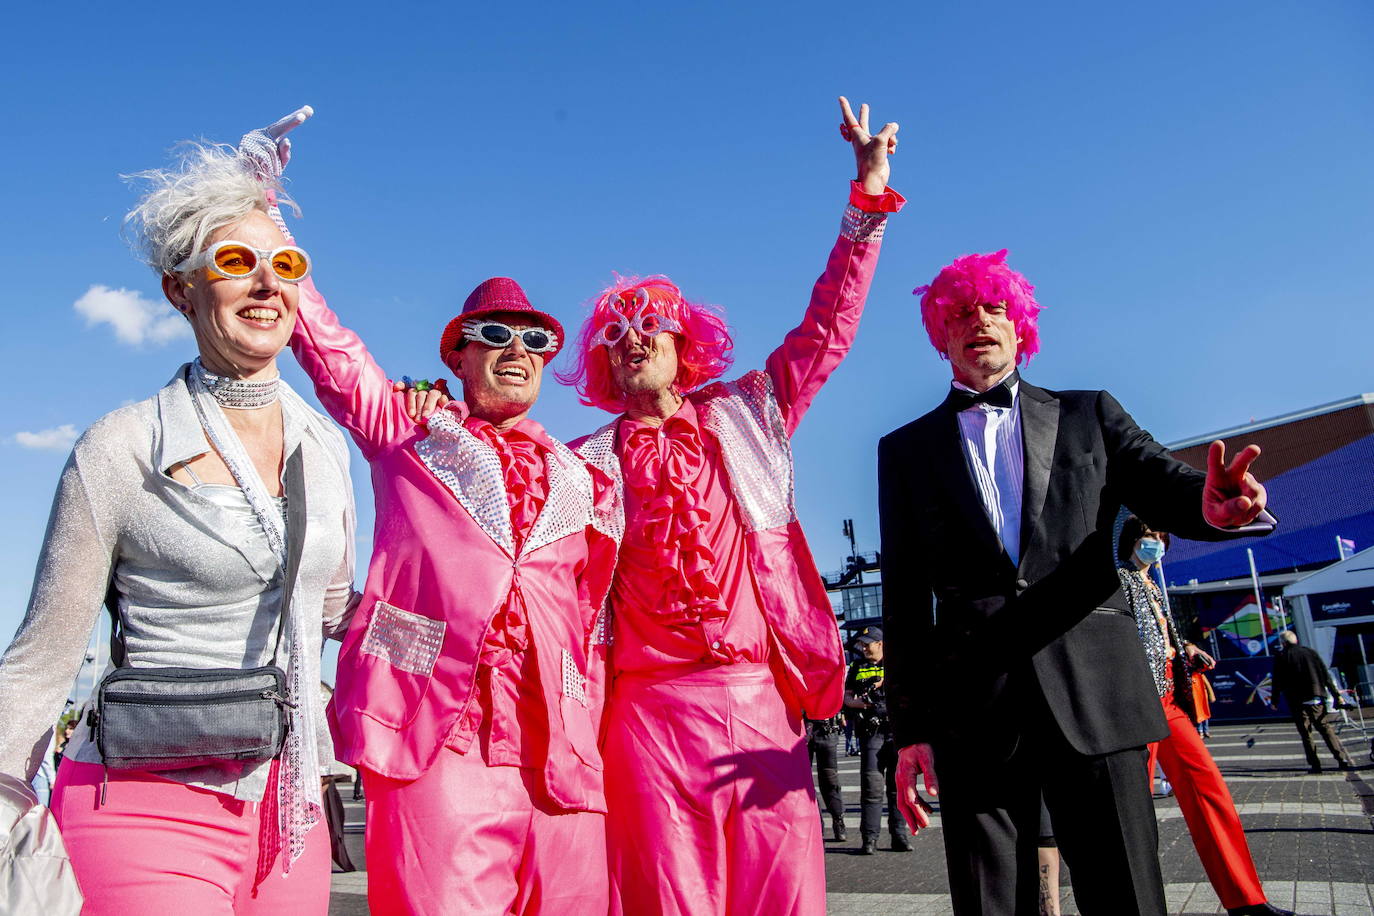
[{"x": 499, "y": 294}]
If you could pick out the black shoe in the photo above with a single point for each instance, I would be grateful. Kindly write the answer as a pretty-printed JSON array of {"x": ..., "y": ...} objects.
[
  {"x": 901, "y": 843},
  {"x": 1314, "y": 771},
  {"x": 1345, "y": 765},
  {"x": 838, "y": 830},
  {"x": 870, "y": 847},
  {"x": 1259, "y": 909}
]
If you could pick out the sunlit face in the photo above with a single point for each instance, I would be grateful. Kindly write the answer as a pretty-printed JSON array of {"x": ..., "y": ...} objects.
[
  {"x": 644, "y": 365},
  {"x": 981, "y": 341},
  {"x": 500, "y": 383},
  {"x": 873, "y": 651},
  {"x": 240, "y": 323}
]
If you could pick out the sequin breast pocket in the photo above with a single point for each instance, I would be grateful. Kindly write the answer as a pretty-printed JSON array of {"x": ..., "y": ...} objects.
[{"x": 400, "y": 648}]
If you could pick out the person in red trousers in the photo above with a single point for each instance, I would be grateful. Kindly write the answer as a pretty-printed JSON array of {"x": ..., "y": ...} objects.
[{"x": 1202, "y": 794}]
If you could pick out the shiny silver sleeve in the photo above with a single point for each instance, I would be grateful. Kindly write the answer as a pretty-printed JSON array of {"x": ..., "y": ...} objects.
[{"x": 38, "y": 668}]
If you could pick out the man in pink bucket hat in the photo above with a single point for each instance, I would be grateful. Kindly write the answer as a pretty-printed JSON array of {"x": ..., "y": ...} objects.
[
  {"x": 470, "y": 682},
  {"x": 723, "y": 633}
]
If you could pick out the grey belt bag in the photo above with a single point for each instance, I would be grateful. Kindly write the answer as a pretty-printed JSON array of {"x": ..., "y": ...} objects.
[{"x": 173, "y": 718}]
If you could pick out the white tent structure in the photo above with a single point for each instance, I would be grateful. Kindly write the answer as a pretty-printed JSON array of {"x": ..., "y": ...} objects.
[{"x": 1338, "y": 595}]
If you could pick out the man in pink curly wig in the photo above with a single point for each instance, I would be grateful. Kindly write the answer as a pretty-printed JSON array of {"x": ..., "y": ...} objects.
[
  {"x": 1014, "y": 669},
  {"x": 722, "y": 636}
]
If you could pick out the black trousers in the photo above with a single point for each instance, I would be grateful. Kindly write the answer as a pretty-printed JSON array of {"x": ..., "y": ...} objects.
[
  {"x": 878, "y": 783},
  {"x": 1103, "y": 816},
  {"x": 825, "y": 751},
  {"x": 1307, "y": 718}
]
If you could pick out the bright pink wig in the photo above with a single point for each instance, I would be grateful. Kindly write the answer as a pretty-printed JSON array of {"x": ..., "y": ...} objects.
[
  {"x": 984, "y": 278},
  {"x": 703, "y": 346}
]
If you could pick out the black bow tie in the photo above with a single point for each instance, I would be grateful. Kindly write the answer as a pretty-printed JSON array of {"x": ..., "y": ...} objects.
[{"x": 998, "y": 395}]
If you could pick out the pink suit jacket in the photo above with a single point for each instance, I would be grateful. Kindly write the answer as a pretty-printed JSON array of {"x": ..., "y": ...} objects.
[
  {"x": 753, "y": 419},
  {"x": 443, "y": 564}
]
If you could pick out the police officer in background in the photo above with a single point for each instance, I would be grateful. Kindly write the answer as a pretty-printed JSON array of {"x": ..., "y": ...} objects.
[
  {"x": 823, "y": 741},
  {"x": 867, "y": 705}
]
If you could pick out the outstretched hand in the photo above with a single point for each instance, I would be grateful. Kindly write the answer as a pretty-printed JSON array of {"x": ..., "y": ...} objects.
[
  {"x": 870, "y": 150},
  {"x": 1231, "y": 497},
  {"x": 266, "y": 150},
  {"x": 912, "y": 761}
]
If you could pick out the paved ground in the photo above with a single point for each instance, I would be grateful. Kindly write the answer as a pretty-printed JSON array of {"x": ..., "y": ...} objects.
[{"x": 1312, "y": 838}]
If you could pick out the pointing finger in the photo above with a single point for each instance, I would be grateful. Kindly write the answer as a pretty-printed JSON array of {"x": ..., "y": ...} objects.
[{"x": 295, "y": 119}]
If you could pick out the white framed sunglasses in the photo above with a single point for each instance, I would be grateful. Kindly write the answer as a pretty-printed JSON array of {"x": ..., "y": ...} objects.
[
  {"x": 498, "y": 335},
  {"x": 646, "y": 324},
  {"x": 236, "y": 260}
]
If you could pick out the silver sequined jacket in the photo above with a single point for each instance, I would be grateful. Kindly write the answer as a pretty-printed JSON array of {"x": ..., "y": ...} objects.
[{"x": 195, "y": 589}]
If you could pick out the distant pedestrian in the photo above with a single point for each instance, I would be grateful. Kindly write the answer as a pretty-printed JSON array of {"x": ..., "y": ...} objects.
[
  {"x": 1302, "y": 678},
  {"x": 865, "y": 699},
  {"x": 823, "y": 742}
]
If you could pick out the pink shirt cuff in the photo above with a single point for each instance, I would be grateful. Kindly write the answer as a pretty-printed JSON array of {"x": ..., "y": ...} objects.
[{"x": 887, "y": 202}]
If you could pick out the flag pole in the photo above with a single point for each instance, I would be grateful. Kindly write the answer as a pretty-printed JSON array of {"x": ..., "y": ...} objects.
[{"x": 1259, "y": 601}]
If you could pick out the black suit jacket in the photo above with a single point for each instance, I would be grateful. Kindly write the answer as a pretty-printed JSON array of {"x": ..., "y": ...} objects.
[
  {"x": 971, "y": 639},
  {"x": 1300, "y": 674}
]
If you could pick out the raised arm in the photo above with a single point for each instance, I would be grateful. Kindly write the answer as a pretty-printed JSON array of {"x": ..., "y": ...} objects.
[
  {"x": 349, "y": 383},
  {"x": 815, "y": 348},
  {"x": 1169, "y": 495},
  {"x": 38, "y": 668}
]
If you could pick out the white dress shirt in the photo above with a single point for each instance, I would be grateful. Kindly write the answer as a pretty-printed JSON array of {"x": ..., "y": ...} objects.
[{"x": 992, "y": 443}]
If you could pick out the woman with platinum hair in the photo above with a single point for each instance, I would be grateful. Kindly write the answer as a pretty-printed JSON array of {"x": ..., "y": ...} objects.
[{"x": 215, "y": 521}]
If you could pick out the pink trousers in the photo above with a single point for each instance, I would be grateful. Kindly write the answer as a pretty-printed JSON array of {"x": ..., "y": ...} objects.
[
  {"x": 470, "y": 838},
  {"x": 157, "y": 846},
  {"x": 711, "y": 808}
]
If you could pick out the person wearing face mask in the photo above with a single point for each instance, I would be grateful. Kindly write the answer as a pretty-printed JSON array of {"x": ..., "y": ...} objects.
[
  {"x": 1197, "y": 783},
  {"x": 724, "y": 639},
  {"x": 188, "y": 512},
  {"x": 996, "y": 512},
  {"x": 470, "y": 686}
]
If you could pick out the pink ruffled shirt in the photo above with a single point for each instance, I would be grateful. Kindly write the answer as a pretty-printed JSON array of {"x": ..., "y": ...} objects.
[
  {"x": 508, "y": 714},
  {"x": 683, "y": 592}
]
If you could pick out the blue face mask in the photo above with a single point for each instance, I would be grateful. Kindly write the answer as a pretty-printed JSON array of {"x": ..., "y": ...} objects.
[{"x": 1149, "y": 551}]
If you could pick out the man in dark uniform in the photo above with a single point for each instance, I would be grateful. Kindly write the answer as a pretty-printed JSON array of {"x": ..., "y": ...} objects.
[
  {"x": 867, "y": 702},
  {"x": 823, "y": 741},
  {"x": 1302, "y": 678}
]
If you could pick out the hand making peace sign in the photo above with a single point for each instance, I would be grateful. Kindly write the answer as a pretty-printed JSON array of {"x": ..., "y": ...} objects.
[
  {"x": 870, "y": 150},
  {"x": 1231, "y": 497}
]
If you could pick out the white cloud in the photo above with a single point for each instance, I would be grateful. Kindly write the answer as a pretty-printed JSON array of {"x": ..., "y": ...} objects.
[
  {"x": 58, "y": 440},
  {"x": 135, "y": 320}
]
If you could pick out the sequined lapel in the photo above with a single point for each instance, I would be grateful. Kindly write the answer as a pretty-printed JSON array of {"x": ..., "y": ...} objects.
[
  {"x": 471, "y": 470},
  {"x": 744, "y": 417},
  {"x": 568, "y": 507}
]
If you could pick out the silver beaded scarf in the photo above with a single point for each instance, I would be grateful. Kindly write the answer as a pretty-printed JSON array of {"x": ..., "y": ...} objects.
[{"x": 299, "y": 767}]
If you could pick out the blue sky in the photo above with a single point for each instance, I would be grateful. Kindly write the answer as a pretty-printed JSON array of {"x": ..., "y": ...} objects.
[{"x": 1188, "y": 185}]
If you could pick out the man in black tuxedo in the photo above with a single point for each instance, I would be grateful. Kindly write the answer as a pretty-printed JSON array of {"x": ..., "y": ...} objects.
[{"x": 1014, "y": 667}]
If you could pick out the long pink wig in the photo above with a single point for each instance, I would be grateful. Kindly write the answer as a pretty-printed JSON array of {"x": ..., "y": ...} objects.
[
  {"x": 984, "y": 278},
  {"x": 704, "y": 346}
]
